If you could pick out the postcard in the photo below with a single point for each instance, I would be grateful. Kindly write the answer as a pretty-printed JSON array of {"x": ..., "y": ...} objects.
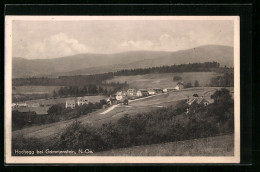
[{"x": 122, "y": 89}]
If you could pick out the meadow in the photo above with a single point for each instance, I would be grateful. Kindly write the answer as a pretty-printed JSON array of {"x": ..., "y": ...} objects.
[
  {"x": 34, "y": 89},
  {"x": 211, "y": 146},
  {"x": 164, "y": 80}
]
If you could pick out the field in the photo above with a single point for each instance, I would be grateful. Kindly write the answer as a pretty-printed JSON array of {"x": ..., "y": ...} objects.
[
  {"x": 34, "y": 89},
  {"x": 211, "y": 146},
  {"x": 164, "y": 80},
  {"x": 52, "y": 101},
  {"x": 98, "y": 117}
]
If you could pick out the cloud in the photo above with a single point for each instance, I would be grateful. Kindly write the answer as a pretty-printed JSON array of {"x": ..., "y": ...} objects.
[
  {"x": 55, "y": 46},
  {"x": 166, "y": 42},
  {"x": 137, "y": 45}
]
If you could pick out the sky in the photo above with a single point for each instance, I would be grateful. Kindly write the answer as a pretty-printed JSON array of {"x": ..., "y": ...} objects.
[{"x": 52, "y": 39}]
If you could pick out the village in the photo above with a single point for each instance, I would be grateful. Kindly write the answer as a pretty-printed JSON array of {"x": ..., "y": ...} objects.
[{"x": 120, "y": 97}]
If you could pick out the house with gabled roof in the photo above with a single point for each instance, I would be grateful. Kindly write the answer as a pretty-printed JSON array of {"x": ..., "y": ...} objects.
[{"x": 70, "y": 104}]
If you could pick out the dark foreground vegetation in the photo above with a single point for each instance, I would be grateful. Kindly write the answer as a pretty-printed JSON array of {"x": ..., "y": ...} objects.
[
  {"x": 56, "y": 113},
  {"x": 159, "y": 126}
]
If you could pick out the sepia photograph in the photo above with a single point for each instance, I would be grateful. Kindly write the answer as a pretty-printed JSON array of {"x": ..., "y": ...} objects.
[{"x": 122, "y": 89}]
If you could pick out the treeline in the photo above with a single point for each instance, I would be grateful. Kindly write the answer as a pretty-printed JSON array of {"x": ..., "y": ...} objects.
[
  {"x": 56, "y": 113},
  {"x": 97, "y": 79},
  {"x": 191, "y": 67},
  {"x": 227, "y": 80},
  {"x": 79, "y": 80},
  {"x": 158, "y": 126},
  {"x": 90, "y": 90}
]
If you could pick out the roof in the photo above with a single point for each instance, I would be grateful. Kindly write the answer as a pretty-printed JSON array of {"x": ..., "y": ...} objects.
[
  {"x": 83, "y": 98},
  {"x": 200, "y": 100},
  {"x": 170, "y": 88},
  {"x": 143, "y": 90},
  {"x": 70, "y": 101},
  {"x": 131, "y": 89}
]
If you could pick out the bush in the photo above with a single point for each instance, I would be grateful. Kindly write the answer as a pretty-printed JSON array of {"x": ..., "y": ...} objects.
[{"x": 177, "y": 78}]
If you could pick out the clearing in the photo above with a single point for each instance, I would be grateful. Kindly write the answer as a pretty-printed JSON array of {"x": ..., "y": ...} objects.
[{"x": 164, "y": 80}]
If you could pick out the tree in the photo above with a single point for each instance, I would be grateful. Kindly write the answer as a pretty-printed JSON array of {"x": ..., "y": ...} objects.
[
  {"x": 54, "y": 93},
  {"x": 177, "y": 78},
  {"x": 222, "y": 96},
  {"x": 196, "y": 83},
  {"x": 188, "y": 85},
  {"x": 55, "y": 109}
]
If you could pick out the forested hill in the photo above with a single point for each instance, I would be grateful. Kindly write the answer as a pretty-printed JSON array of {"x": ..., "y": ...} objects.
[
  {"x": 99, "y": 78},
  {"x": 86, "y": 64}
]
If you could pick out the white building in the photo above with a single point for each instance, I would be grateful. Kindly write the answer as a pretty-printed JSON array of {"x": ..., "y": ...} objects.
[
  {"x": 82, "y": 101},
  {"x": 70, "y": 104},
  {"x": 21, "y": 105},
  {"x": 131, "y": 92},
  {"x": 151, "y": 92},
  {"x": 120, "y": 95},
  {"x": 179, "y": 86}
]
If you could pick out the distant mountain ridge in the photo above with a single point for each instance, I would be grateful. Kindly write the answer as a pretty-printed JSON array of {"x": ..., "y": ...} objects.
[{"x": 83, "y": 64}]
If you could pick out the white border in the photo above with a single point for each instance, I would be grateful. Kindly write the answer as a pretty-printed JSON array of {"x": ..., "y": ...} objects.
[{"x": 117, "y": 159}]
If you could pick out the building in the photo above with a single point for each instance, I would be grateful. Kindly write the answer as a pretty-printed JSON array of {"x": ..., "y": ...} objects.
[
  {"x": 70, "y": 104},
  {"x": 120, "y": 95},
  {"x": 142, "y": 93},
  {"x": 166, "y": 90},
  {"x": 21, "y": 105},
  {"x": 158, "y": 90},
  {"x": 179, "y": 86},
  {"x": 131, "y": 92},
  {"x": 82, "y": 101},
  {"x": 111, "y": 100},
  {"x": 199, "y": 100},
  {"x": 151, "y": 92}
]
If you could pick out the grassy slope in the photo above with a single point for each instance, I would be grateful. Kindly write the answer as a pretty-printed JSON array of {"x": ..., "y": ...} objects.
[
  {"x": 211, "y": 146},
  {"x": 163, "y": 80}
]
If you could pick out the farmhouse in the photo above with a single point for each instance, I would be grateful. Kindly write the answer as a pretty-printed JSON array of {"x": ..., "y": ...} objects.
[
  {"x": 131, "y": 92},
  {"x": 166, "y": 90},
  {"x": 142, "y": 92},
  {"x": 82, "y": 100},
  {"x": 120, "y": 95},
  {"x": 158, "y": 90},
  {"x": 70, "y": 104},
  {"x": 21, "y": 105},
  {"x": 179, "y": 86},
  {"x": 199, "y": 100},
  {"x": 151, "y": 92}
]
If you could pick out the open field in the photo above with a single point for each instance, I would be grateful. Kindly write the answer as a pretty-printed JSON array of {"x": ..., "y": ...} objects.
[
  {"x": 164, "y": 80},
  {"x": 211, "y": 146},
  {"x": 35, "y": 89},
  {"x": 96, "y": 118},
  {"x": 53, "y": 101}
]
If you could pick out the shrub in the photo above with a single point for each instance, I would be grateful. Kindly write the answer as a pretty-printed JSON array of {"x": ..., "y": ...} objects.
[{"x": 177, "y": 78}]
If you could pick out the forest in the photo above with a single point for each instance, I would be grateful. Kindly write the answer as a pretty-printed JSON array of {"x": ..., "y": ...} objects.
[{"x": 97, "y": 79}]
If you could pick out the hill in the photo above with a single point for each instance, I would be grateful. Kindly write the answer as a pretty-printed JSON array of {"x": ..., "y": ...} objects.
[{"x": 83, "y": 64}]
